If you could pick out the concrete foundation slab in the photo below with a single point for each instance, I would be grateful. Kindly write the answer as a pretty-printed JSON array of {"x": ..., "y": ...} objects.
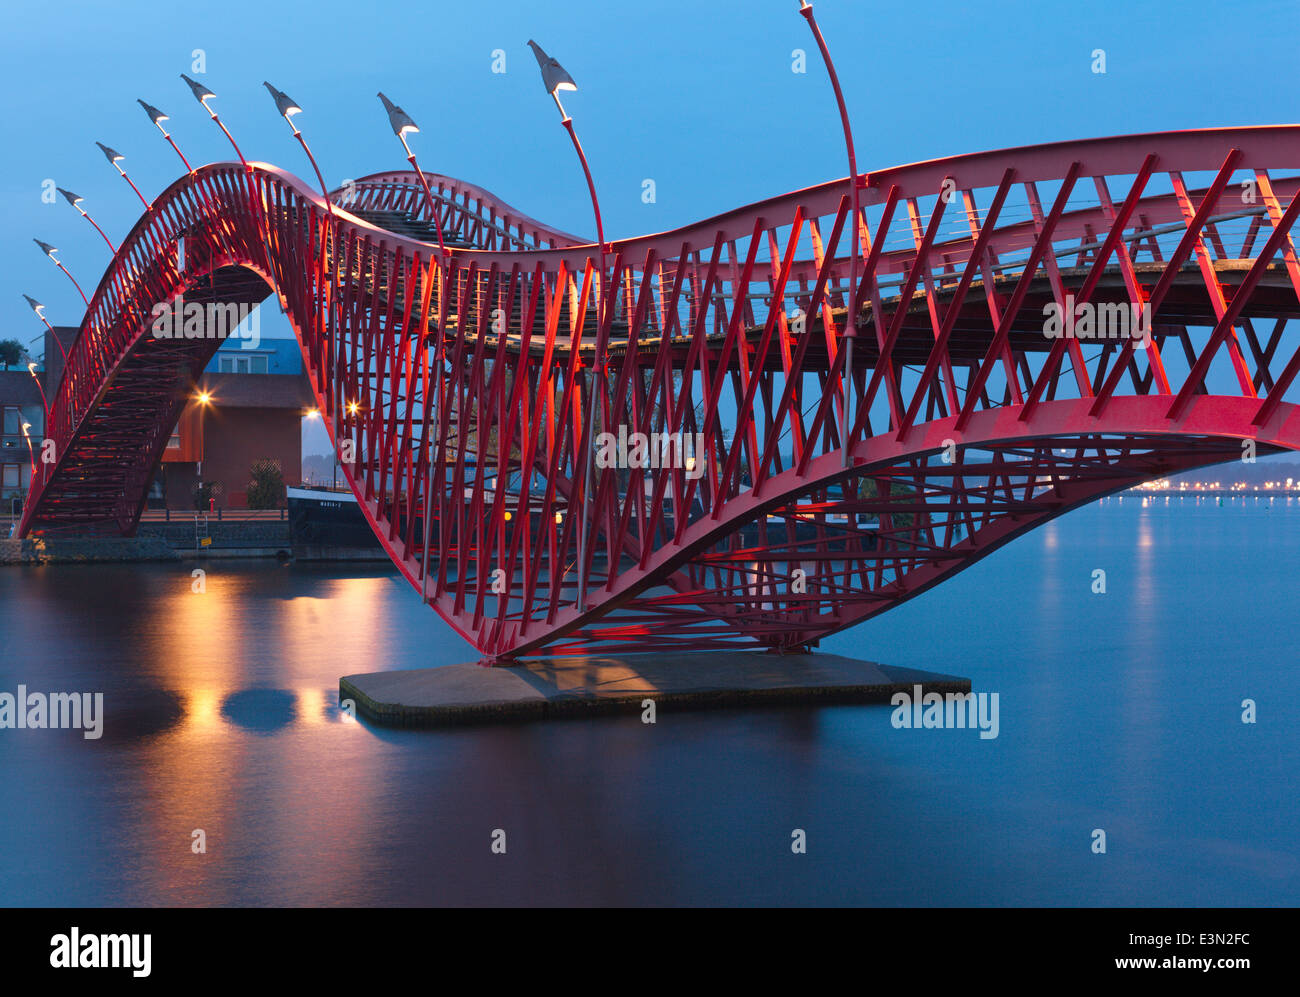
[{"x": 590, "y": 684}]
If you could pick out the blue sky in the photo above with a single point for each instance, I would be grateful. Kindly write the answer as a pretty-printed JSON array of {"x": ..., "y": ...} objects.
[{"x": 698, "y": 96}]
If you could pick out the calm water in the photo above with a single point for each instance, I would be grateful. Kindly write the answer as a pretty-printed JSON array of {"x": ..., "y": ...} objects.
[{"x": 1118, "y": 711}]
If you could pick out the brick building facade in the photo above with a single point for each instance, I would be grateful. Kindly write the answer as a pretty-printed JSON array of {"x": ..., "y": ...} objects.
[{"x": 256, "y": 401}]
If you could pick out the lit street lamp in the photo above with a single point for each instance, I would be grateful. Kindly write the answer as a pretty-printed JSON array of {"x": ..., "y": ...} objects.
[
  {"x": 75, "y": 200},
  {"x": 401, "y": 123},
  {"x": 45, "y": 404},
  {"x": 49, "y": 251},
  {"x": 39, "y": 309},
  {"x": 288, "y": 107},
  {"x": 204, "y": 398},
  {"x": 31, "y": 454},
  {"x": 855, "y": 182},
  {"x": 113, "y": 157},
  {"x": 311, "y": 415},
  {"x": 158, "y": 117},
  {"x": 202, "y": 94},
  {"x": 555, "y": 79}
]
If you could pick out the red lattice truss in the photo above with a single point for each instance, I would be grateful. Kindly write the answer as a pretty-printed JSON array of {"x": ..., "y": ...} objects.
[{"x": 461, "y": 387}]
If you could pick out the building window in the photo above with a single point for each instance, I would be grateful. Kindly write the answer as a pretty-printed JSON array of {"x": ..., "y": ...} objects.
[
  {"x": 238, "y": 363},
  {"x": 12, "y": 418},
  {"x": 15, "y": 475}
]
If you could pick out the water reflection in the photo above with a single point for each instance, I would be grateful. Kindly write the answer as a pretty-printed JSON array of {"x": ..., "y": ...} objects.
[
  {"x": 263, "y": 711},
  {"x": 222, "y": 715},
  {"x": 137, "y": 713}
]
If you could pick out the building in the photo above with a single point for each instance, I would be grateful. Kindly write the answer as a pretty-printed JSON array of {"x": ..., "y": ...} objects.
[
  {"x": 248, "y": 405},
  {"x": 22, "y": 418},
  {"x": 20, "y": 405}
]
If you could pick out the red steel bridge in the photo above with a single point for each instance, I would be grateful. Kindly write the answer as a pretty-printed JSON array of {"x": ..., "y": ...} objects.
[{"x": 466, "y": 388}]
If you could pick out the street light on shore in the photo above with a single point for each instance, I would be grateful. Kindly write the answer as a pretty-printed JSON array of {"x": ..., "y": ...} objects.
[
  {"x": 204, "y": 398},
  {"x": 158, "y": 117},
  {"x": 555, "y": 78},
  {"x": 114, "y": 157},
  {"x": 402, "y": 124},
  {"x": 75, "y": 200},
  {"x": 855, "y": 184},
  {"x": 49, "y": 251}
]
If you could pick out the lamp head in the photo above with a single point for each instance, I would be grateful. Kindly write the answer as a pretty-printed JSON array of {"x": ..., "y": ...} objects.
[
  {"x": 399, "y": 119},
  {"x": 112, "y": 155},
  {"x": 155, "y": 115},
  {"x": 201, "y": 93},
  {"x": 285, "y": 104},
  {"x": 46, "y": 248},
  {"x": 554, "y": 75},
  {"x": 36, "y": 306},
  {"x": 70, "y": 197},
  {"x": 31, "y": 367}
]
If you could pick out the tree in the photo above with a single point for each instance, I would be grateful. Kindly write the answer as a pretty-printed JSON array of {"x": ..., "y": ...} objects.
[
  {"x": 11, "y": 352},
  {"x": 266, "y": 490},
  {"x": 869, "y": 490}
]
